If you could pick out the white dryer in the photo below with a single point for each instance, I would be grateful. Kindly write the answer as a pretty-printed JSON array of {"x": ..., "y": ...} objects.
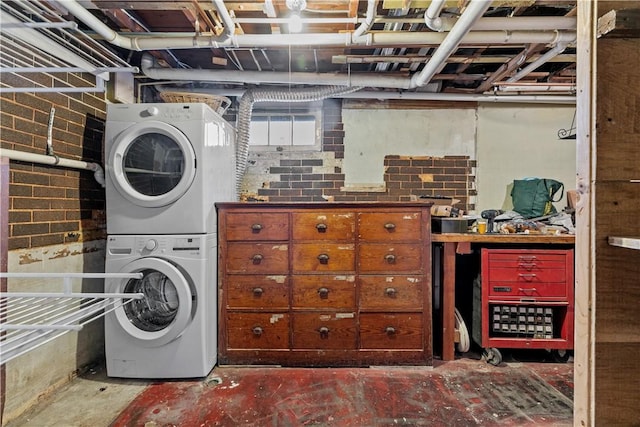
[
  {"x": 172, "y": 331},
  {"x": 167, "y": 164}
]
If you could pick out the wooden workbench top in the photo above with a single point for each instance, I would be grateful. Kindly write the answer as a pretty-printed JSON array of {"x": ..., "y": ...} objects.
[{"x": 503, "y": 238}]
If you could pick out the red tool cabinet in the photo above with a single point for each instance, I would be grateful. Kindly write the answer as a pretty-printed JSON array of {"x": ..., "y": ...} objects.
[{"x": 524, "y": 299}]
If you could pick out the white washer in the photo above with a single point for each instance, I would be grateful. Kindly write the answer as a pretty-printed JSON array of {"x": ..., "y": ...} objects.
[
  {"x": 172, "y": 331},
  {"x": 167, "y": 164}
]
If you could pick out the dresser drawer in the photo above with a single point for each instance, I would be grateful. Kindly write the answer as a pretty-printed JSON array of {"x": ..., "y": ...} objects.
[
  {"x": 391, "y": 292},
  {"x": 257, "y": 226},
  {"x": 324, "y": 292},
  {"x": 324, "y": 331},
  {"x": 323, "y": 226},
  {"x": 390, "y": 226},
  {"x": 270, "y": 292},
  {"x": 379, "y": 257},
  {"x": 257, "y": 258},
  {"x": 323, "y": 257},
  {"x": 392, "y": 331},
  {"x": 258, "y": 330}
]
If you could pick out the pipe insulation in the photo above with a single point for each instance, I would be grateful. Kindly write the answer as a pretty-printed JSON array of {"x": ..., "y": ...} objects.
[
  {"x": 252, "y": 96},
  {"x": 23, "y": 156}
]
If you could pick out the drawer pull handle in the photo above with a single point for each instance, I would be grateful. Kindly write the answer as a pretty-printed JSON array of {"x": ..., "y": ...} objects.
[
  {"x": 257, "y": 331},
  {"x": 529, "y": 258},
  {"x": 256, "y": 228},
  {"x": 527, "y": 265},
  {"x": 528, "y": 277},
  {"x": 323, "y": 293},
  {"x": 321, "y": 227},
  {"x": 324, "y": 332},
  {"x": 390, "y": 330},
  {"x": 257, "y": 292},
  {"x": 323, "y": 258},
  {"x": 391, "y": 292},
  {"x": 529, "y": 291},
  {"x": 390, "y": 258},
  {"x": 257, "y": 258},
  {"x": 390, "y": 226}
]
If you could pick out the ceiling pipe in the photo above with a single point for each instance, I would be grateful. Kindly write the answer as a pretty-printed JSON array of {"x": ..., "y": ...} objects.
[
  {"x": 228, "y": 39},
  {"x": 421, "y": 96},
  {"x": 23, "y": 156},
  {"x": 372, "y": 6},
  {"x": 558, "y": 49},
  {"x": 432, "y": 15},
  {"x": 150, "y": 43},
  {"x": 475, "y": 9}
]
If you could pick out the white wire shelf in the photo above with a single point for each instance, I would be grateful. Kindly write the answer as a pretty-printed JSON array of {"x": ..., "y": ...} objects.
[{"x": 31, "y": 319}]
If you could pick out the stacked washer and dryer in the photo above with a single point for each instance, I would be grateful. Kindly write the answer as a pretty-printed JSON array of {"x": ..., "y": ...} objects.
[{"x": 167, "y": 164}]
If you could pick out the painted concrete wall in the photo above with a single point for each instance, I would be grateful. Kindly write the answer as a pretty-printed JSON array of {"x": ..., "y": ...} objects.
[
  {"x": 509, "y": 141},
  {"x": 518, "y": 141},
  {"x": 372, "y": 134},
  {"x": 40, "y": 371}
]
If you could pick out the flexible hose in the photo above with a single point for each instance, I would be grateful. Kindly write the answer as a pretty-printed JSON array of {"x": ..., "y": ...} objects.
[{"x": 245, "y": 109}]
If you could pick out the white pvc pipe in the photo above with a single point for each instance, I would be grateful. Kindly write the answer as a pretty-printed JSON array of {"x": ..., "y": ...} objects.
[
  {"x": 368, "y": 22},
  {"x": 558, "y": 49},
  {"x": 432, "y": 15},
  {"x": 141, "y": 43},
  {"x": 185, "y": 41},
  {"x": 23, "y": 156},
  {"x": 474, "y": 10}
]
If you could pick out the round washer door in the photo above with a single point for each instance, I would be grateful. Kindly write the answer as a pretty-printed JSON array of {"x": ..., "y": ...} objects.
[
  {"x": 152, "y": 164},
  {"x": 165, "y": 311}
]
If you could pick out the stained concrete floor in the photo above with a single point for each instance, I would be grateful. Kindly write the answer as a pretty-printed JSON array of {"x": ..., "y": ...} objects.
[{"x": 465, "y": 392}]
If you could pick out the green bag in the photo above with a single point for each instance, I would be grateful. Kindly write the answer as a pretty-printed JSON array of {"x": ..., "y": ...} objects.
[{"x": 534, "y": 197}]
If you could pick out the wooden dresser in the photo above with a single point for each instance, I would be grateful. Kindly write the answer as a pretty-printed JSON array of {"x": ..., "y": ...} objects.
[{"x": 324, "y": 284}]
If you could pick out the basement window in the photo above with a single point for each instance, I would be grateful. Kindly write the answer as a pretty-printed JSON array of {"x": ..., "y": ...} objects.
[{"x": 286, "y": 131}]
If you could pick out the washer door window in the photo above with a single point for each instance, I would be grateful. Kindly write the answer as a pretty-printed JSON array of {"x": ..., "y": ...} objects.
[
  {"x": 152, "y": 164},
  {"x": 166, "y": 309}
]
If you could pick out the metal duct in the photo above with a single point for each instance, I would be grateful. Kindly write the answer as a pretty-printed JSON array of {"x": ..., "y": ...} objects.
[{"x": 245, "y": 110}]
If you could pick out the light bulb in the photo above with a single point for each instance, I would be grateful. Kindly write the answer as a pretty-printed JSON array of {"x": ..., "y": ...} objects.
[{"x": 295, "y": 23}]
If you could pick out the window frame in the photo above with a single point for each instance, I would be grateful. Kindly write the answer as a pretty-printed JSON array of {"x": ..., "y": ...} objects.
[{"x": 313, "y": 111}]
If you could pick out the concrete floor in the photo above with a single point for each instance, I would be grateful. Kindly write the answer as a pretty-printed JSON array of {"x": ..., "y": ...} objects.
[{"x": 463, "y": 393}]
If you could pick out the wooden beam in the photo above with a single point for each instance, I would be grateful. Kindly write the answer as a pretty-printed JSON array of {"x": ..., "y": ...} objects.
[{"x": 620, "y": 23}]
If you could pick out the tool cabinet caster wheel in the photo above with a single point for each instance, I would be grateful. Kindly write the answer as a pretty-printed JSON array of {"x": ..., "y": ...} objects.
[
  {"x": 492, "y": 356},
  {"x": 560, "y": 356}
]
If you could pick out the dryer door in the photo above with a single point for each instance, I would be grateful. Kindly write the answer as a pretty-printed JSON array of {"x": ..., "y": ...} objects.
[
  {"x": 152, "y": 164},
  {"x": 165, "y": 311}
]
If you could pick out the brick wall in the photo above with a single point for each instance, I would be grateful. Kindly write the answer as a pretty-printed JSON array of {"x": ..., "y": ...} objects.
[
  {"x": 317, "y": 177},
  {"x": 53, "y": 205}
]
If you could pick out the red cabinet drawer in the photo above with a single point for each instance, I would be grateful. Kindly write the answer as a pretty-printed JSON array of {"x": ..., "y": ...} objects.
[{"x": 528, "y": 290}]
